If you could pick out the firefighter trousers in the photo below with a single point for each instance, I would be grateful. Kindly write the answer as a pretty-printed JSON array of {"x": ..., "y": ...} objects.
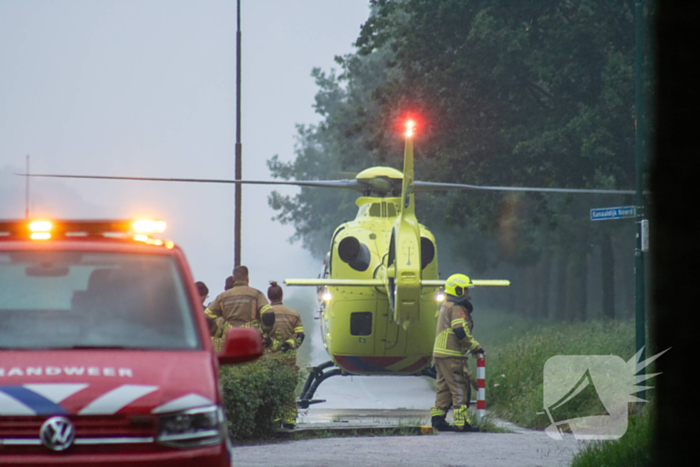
[
  {"x": 290, "y": 409},
  {"x": 451, "y": 387}
]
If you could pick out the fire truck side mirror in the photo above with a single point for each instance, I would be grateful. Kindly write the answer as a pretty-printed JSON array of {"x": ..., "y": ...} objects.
[{"x": 241, "y": 345}]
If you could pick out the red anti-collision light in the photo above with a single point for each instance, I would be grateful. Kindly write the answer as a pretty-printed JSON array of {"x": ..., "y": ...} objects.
[{"x": 410, "y": 128}]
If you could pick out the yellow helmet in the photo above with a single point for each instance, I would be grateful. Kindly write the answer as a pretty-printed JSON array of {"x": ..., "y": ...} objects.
[{"x": 456, "y": 284}]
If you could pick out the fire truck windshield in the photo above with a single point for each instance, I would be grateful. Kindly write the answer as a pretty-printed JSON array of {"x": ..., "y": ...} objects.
[{"x": 79, "y": 299}]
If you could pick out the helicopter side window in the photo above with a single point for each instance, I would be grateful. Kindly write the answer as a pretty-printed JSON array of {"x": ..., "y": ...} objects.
[
  {"x": 391, "y": 209},
  {"x": 427, "y": 252},
  {"x": 361, "y": 323},
  {"x": 375, "y": 210}
]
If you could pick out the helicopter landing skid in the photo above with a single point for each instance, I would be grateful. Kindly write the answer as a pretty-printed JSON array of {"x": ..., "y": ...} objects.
[
  {"x": 319, "y": 374},
  {"x": 314, "y": 380}
]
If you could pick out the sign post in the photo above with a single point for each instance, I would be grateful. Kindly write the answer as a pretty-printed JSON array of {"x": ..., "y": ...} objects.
[
  {"x": 639, "y": 137},
  {"x": 642, "y": 246}
]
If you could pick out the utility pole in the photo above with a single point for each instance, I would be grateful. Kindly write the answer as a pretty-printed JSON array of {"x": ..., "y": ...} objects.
[
  {"x": 639, "y": 179},
  {"x": 239, "y": 148},
  {"x": 26, "y": 190}
]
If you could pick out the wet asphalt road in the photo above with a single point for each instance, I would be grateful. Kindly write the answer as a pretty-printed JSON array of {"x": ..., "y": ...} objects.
[
  {"x": 375, "y": 400},
  {"x": 523, "y": 449}
]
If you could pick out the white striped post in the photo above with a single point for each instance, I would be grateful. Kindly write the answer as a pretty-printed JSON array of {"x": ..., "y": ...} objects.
[{"x": 481, "y": 383}]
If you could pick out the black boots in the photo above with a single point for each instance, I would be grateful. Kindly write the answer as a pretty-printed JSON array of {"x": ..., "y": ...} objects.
[
  {"x": 465, "y": 429},
  {"x": 440, "y": 424}
]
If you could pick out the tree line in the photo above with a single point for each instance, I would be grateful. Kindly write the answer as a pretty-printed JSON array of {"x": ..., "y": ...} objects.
[{"x": 504, "y": 92}]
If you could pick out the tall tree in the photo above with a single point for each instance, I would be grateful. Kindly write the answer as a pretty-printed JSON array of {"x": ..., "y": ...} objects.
[{"x": 505, "y": 92}]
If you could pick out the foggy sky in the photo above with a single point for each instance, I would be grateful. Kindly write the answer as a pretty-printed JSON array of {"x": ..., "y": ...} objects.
[{"x": 147, "y": 88}]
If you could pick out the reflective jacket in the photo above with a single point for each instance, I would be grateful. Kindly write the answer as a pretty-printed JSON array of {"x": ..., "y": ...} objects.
[
  {"x": 452, "y": 316},
  {"x": 239, "y": 306},
  {"x": 287, "y": 329}
]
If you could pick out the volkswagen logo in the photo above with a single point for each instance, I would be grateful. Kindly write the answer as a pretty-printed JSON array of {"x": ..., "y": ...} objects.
[{"x": 57, "y": 433}]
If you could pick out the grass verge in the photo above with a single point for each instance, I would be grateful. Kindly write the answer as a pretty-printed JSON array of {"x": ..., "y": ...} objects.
[
  {"x": 517, "y": 352},
  {"x": 633, "y": 448},
  {"x": 487, "y": 423}
]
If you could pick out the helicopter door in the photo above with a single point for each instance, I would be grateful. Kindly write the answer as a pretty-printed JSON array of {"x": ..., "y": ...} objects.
[{"x": 390, "y": 337}]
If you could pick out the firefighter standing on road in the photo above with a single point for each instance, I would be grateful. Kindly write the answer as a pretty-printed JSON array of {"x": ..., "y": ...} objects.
[
  {"x": 453, "y": 338},
  {"x": 240, "y": 306},
  {"x": 283, "y": 332}
]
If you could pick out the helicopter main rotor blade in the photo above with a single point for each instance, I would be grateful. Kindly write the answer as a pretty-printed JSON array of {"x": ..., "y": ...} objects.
[
  {"x": 357, "y": 185},
  {"x": 422, "y": 187},
  {"x": 347, "y": 184}
]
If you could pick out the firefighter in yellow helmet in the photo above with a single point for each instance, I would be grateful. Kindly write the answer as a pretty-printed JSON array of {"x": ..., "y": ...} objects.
[
  {"x": 453, "y": 339},
  {"x": 239, "y": 306},
  {"x": 283, "y": 332}
]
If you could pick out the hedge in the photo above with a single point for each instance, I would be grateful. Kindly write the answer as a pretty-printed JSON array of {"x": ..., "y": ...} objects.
[{"x": 254, "y": 395}]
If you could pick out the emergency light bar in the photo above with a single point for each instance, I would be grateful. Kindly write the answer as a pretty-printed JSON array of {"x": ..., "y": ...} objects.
[
  {"x": 148, "y": 226},
  {"x": 40, "y": 226},
  {"x": 44, "y": 230}
]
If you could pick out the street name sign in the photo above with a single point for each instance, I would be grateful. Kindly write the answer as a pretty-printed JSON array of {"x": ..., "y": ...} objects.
[{"x": 619, "y": 212}]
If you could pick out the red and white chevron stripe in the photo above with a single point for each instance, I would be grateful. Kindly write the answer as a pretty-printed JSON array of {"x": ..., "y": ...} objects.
[
  {"x": 86, "y": 399},
  {"x": 481, "y": 383}
]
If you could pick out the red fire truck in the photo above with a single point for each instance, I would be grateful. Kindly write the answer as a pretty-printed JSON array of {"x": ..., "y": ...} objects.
[{"x": 105, "y": 354}]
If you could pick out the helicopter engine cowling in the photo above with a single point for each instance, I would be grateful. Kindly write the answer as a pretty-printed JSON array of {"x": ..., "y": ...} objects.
[{"x": 354, "y": 253}]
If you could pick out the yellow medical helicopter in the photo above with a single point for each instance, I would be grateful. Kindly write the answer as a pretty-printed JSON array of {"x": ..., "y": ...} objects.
[
  {"x": 379, "y": 287},
  {"x": 379, "y": 282}
]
